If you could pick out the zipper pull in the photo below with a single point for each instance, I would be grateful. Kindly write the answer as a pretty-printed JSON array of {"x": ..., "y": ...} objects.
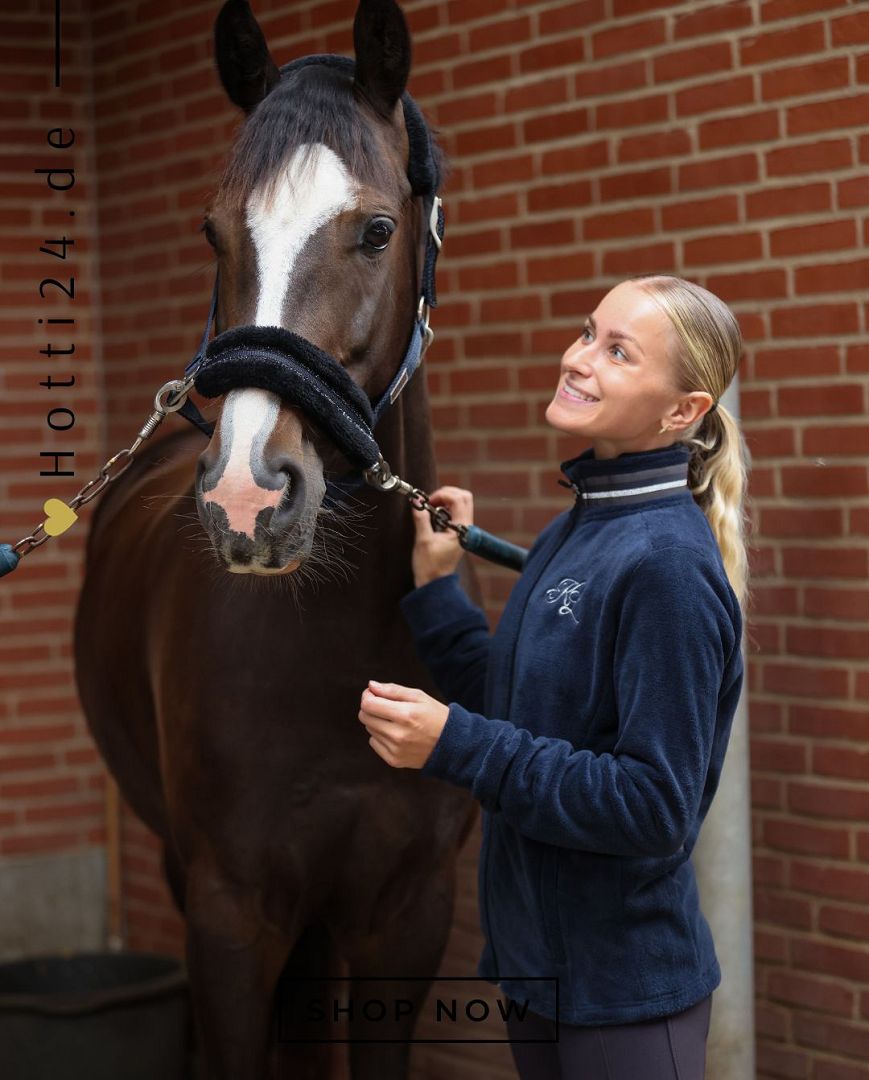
[{"x": 564, "y": 483}]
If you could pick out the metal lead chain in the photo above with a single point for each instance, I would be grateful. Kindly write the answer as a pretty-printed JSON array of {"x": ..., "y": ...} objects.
[
  {"x": 168, "y": 399},
  {"x": 441, "y": 518},
  {"x": 380, "y": 476}
]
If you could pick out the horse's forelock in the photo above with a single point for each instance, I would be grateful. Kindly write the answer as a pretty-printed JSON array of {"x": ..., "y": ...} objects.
[{"x": 313, "y": 105}]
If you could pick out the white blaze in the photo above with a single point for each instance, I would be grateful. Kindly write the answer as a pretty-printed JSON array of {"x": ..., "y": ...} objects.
[{"x": 306, "y": 197}]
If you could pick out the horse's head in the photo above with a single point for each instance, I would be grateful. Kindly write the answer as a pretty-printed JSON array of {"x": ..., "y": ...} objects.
[{"x": 317, "y": 232}]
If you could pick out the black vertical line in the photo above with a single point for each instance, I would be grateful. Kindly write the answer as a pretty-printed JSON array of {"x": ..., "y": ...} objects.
[{"x": 57, "y": 42}]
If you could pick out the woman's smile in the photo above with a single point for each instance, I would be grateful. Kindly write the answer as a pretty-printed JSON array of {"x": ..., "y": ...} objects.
[{"x": 578, "y": 396}]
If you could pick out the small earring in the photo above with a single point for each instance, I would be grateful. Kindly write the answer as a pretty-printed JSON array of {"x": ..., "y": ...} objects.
[{"x": 664, "y": 427}]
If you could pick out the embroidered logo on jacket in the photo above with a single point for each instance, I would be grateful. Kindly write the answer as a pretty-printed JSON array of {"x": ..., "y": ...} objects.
[{"x": 566, "y": 594}]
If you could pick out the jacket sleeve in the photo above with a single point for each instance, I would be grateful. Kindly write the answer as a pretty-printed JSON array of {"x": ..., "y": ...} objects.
[
  {"x": 677, "y": 674},
  {"x": 452, "y": 638}
]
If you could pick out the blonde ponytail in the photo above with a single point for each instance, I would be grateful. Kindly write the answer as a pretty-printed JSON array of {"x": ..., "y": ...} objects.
[
  {"x": 717, "y": 473},
  {"x": 709, "y": 349}
]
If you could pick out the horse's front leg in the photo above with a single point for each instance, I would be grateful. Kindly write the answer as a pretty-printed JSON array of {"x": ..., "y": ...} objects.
[
  {"x": 408, "y": 942},
  {"x": 234, "y": 962}
]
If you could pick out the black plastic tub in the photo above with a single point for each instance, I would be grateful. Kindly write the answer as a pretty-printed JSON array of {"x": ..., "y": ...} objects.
[{"x": 94, "y": 1016}]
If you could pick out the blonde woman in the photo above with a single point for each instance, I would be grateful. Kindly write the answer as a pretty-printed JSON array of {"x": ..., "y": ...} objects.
[{"x": 592, "y": 725}]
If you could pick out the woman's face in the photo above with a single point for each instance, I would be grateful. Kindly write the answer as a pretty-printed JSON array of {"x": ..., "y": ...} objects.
[{"x": 617, "y": 391}]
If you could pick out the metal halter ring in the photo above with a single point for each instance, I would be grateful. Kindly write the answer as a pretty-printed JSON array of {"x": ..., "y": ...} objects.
[
  {"x": 422, "y": 313},
  {"x": 174, "y": 386},
  {"x": 437, "y": 203}
]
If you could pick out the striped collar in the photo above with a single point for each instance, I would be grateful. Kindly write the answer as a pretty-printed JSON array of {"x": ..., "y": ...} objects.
[{"x": 629, "y": 479}]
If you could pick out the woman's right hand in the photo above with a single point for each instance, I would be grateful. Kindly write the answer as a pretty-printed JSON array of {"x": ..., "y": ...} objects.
[{"x": 436, "y": 554}]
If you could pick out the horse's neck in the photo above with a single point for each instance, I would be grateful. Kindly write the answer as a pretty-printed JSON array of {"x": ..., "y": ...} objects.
[{"x": 405, "y": 439}]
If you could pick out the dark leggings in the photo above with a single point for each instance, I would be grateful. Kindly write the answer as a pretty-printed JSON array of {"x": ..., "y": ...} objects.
[{"x": 670, "y": 1048}]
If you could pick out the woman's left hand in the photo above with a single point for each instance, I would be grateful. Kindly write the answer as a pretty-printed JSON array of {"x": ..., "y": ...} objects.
[{"x": 404, "y": 723}]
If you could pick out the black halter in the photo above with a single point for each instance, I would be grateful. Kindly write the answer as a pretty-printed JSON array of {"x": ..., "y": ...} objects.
[{"x": 276, "y": 359}]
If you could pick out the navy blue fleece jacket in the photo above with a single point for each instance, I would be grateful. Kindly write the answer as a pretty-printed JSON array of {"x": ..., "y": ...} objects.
[{"x": 592, "y": 726}]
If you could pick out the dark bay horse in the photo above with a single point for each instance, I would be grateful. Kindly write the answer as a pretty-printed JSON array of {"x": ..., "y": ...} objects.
[{"x": 221, "y": 654}]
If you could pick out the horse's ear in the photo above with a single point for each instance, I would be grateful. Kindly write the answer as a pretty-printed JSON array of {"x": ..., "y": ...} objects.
[
  {"x": 244, "y": 62},
  {"x": 383, "y": 53}
]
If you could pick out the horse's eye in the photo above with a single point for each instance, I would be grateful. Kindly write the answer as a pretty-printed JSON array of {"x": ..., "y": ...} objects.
[
  {"x": 378, "y": 234},
  {"x": 208, "y": 229}
]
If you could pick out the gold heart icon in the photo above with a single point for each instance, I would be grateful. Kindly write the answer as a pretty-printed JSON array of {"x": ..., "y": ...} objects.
[{"x": 58, "y": 517}]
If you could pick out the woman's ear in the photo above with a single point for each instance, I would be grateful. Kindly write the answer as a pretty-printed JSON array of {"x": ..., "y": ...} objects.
[{"x": 688, "y": 410}]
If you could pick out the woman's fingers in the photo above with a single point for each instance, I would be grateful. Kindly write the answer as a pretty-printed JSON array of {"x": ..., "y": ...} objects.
[
  {"x": 458, "y": 501},
  {"x": 394, "y": 691},
  {"x": 437, "y": 552},
  {"x": 383, "y": 729},
  {"x": 422, "y": 522},
  {"x": 383, "y": 748}
]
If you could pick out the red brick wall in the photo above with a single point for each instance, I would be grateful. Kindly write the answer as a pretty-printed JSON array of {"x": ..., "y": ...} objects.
[{"x": 726, "y": 142}]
